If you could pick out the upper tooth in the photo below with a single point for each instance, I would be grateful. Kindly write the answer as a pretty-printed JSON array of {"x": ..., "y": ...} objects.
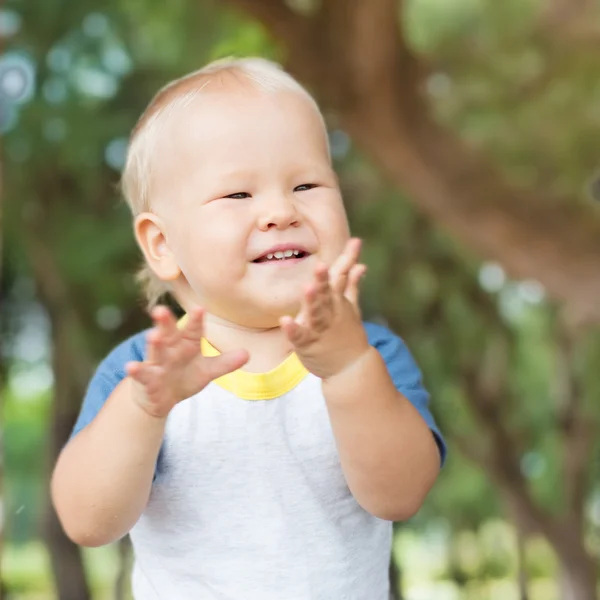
[
  {"x": 288, "y": 253},
  {"x": 296, "y": 252},
  {"x": 269, "y": 256},
  {"x": 278, "y": 254}
]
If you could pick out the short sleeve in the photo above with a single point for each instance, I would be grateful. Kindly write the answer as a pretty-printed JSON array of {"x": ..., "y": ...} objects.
[
  {"x": 109, "y": 374},
  {"x": 406, "y": 376}
]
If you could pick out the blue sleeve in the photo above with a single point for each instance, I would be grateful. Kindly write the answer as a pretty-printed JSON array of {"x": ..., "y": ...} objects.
[
  {"x": 108, "y": 375},
  {"x": 406, "y": 376}
]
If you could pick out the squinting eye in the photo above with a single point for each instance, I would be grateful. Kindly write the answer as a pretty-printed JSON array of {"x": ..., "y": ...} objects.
[
  {"x": 238, "y": 195},
  {"x": 305, "y": 187}
]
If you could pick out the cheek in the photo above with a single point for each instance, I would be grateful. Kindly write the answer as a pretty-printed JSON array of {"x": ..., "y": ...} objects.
[
  {"x": 214, "y": 243},
  {"x": 331, "y": 225}
]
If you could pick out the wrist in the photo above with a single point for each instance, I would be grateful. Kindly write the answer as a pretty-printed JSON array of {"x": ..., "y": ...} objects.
[
  {"x": 353, "y": 362},
  {"x": 365, "y": 380},
  {"x": 139, "y": 399}
]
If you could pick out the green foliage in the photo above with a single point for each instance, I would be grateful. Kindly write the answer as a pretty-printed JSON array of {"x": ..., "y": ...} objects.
[
  {"x": 495, "y": 79},
  {"x": 29, "y": 576},
  {"x": 240, "y": 37},
  {"x": 24, "y": 446}
]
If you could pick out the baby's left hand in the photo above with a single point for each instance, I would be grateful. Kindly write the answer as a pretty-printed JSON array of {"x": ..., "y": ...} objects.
[{"x": 328, "y": 334}]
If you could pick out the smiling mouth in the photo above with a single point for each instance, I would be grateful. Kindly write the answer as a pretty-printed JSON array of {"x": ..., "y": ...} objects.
[{"x": 282, "y": 256}]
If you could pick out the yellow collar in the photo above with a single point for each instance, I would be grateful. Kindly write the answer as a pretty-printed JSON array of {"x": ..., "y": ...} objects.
[{"x": 258, "y": 386}]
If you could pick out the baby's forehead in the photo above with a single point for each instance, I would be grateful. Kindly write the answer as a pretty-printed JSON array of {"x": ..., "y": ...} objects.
[
  {"x": 210, "y": 113},
  {"x": 224, "y": 86},
  {"x": 234, "y": 99}
]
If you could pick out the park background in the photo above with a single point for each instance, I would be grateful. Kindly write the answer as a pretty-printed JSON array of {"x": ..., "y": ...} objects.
[{"x": 466, "y": 136}]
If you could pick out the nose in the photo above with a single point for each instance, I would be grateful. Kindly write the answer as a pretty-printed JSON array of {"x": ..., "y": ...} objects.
[{"x": 278, "y": 212}]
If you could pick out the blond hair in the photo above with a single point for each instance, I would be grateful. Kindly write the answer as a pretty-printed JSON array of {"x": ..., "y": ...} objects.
[{"x": 259, "y": 73}]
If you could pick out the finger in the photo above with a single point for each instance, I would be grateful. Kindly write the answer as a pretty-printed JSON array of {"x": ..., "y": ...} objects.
[
  {"x": 305, "y": 306},
  {"x": 166, "y": 324},
  {"x": 310, "y": 301},
  {"x": 132, "y": 368},
  {"x": 294, "y": 331},
  {"x": 140, "y": 372},
  {"x": 354, "y": 277},
  {"x": 342, "y": 266},
  {"x": 217, "y": 366},
  {"x": 321, "y": 278},
  {"x": 314, "y": 301},
  {"x": 156, "y": 349},
  {"x": 319, "y": 304},
  {"x": 194, "y": 328}
]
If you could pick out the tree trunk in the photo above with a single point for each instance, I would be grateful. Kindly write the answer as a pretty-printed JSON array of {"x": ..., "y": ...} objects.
[
  {"x": 67, "y": 562},
  {"x": 2, "y": 501},
  {"x": 578, "y": 582},
  {"x": 2, "y": 493},
  {"x": 71, "y": 367},
  {"x": 579, "y": 572},
  {"x": 123, "y": 575},
  {"x": 395, "y": 581},
  {"x": 522, "y": 579}
]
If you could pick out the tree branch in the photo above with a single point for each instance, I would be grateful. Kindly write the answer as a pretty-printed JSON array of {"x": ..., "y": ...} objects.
[
  {"x": 534, "y": 235},
  {"x": 503, "y": 461},
  {"x": 577, "y": 431},
  {"x": 562, "y": 11},
  {"x": 367, "y": 37},
  {"x": 570, "y": 20},
  {"x": 515, "y": 498},
  {"x": 352, "y": 42}
]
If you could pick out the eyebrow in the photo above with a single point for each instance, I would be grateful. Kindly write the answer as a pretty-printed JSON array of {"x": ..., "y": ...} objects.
[
  {"x": 315, "y": 170},
  {"x": 236, "y": 174}
]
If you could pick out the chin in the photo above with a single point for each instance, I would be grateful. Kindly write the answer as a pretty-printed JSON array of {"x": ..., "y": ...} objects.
[
  {"x": 280, "y": 307},
  {"x": 289, "y": 309}
]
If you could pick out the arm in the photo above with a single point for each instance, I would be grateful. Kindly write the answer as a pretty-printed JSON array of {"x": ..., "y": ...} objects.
[
  {"x": 102, "y": 480},
  {"x": 103, "y": 476},
  {"x": 388, "y": 453},
  {"x": 376, "y": 403}
]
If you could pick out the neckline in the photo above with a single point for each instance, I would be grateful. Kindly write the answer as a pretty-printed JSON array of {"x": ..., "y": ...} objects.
[{"x": 257, "y": 386}]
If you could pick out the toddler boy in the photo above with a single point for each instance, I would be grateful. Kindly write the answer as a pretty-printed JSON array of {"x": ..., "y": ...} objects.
[{"x": 279, "y": 480}]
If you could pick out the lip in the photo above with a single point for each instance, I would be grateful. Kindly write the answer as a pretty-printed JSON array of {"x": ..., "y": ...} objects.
[{"x": 283, "y": 248}]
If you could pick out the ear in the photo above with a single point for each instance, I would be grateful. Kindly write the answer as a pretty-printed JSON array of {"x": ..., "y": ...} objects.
[{"x": 149, "y": 232}]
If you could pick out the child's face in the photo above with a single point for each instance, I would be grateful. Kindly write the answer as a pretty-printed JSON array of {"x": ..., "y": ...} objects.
[{"x": 243, "y": 172}]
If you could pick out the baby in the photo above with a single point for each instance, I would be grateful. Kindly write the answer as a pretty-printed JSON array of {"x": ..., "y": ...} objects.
[{"x": 261, "y": 447}]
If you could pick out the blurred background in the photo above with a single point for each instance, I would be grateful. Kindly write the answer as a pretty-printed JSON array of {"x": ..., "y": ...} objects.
[{"x": 465, "y": 133}]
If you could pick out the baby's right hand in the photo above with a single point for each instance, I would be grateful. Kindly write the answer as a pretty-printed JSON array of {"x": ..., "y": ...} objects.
[{"x": 174, "y": 368}]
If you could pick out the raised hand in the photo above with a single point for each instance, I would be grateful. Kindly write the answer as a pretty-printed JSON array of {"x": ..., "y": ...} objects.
[
  {"x": 174, "y": 368},
  {"x": 328, "y": 334}
]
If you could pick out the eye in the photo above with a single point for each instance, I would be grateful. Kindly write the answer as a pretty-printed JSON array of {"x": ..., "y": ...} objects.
[
  {"x": 305, "y": 187},
  {"x": 238, "y": 196}
]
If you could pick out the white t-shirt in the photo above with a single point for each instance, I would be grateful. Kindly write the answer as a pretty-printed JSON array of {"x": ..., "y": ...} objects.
[{"x": 249, "y": 500}]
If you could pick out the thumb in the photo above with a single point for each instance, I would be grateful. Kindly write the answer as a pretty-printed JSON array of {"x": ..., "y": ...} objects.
[{"x": 217, "y": 366}]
